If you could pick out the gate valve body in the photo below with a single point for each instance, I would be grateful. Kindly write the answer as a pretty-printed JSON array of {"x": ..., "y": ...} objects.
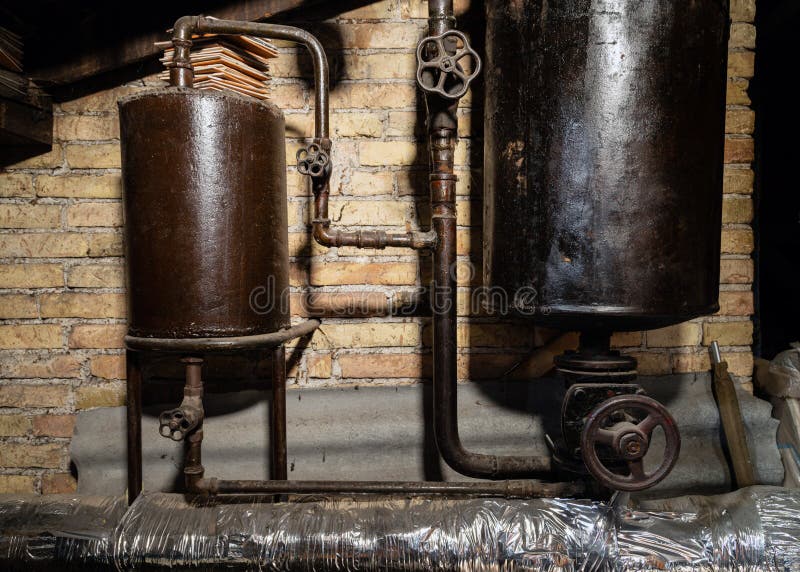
[
  {"x": 176, "y": 423},
  {"x": 439, "y": 65}
]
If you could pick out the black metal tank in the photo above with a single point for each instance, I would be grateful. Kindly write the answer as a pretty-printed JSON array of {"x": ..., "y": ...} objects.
[
  {"x": 605, "y": 124},
  {"x": 204, "y": 182}
]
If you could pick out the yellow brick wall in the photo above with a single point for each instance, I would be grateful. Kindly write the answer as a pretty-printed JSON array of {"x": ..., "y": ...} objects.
[{"x": 62, "y": 311}]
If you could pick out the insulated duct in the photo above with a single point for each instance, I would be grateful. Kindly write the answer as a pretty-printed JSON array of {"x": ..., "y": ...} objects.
[{"x": 752, "y": 529}]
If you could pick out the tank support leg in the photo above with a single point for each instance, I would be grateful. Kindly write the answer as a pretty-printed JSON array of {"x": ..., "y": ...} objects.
[
  {"x": 279, "y": 465},
  {"x": 134, "y": 423}
]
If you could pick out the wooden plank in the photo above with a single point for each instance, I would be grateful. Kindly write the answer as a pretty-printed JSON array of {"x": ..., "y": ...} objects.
[
  {"x": 22, "y": 124},
  {"x": 733, "y": 425}
]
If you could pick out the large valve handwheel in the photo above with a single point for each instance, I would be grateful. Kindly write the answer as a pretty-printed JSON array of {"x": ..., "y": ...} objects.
[
  {"x": 440, "y": 70},
  {"x": 612, "y": 426}
]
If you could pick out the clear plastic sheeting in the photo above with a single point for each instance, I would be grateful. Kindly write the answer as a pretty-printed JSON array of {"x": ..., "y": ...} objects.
[
  {"x": 751, "y": 530},
  {"x": 782, "y": 375},
  {"x": 58, "y": 532}
]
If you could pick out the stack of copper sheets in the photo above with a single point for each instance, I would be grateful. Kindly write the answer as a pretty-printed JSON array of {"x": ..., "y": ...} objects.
[{"x": 237, "y": 63}]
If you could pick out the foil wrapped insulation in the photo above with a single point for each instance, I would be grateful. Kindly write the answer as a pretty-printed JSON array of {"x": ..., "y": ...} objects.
[
  {"x": 752, "y": 529},
  {"x": 58, "y": 532}
]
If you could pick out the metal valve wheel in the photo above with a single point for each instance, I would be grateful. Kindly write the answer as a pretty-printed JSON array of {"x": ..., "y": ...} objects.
[
  {"x": 175, "y": 424},
  {"x": 612, "y": 426},
  {"x": 452, "y": 82},
  {"x": 312, "y": 161}
]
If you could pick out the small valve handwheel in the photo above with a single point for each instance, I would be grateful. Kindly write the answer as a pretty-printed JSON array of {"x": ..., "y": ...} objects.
[
  {"x": 440, "y": 71},
  {"x": 613, "y": 426},
  {"x": 313, "y": 161},
  {"x": 175, "y": 424}
]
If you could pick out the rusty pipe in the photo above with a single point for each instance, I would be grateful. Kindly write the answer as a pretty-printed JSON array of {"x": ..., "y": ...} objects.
[
  {"x": 443, "y": 129},
  {"x": 279, "y": 467},
  {"x": 193, "y": 470},
  {"x": 441, "y": 17},
  {"x": 196, "y": 482},
  {"x": 507, "y": 489},
  {"x": 134, "y": 423},
  {"x": 181, "y": 72},
  {"x": 445, "y": 353},
  {"x": 202, "y": 345},
  {"x": 377, "y": 239}
]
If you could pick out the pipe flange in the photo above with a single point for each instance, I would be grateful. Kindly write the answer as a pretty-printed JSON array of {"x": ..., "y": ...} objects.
[{"x": 441, "y": 71}]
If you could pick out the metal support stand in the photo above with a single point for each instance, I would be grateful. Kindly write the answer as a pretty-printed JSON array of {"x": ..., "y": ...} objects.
[
  {"x": 134, "y": 402},
  {"x": 280, "y": 467},
  {"x": 193, "y": 435}
]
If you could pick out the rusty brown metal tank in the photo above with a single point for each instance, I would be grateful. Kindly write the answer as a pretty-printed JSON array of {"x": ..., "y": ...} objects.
[
  {"x": 204, "y": 181},
  {"x": 603, "y": 159}
]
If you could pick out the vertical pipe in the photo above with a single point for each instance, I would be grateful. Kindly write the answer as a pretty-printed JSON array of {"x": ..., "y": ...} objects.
[
  {"x": 279, "y": 458},
  {"x": 134, "y": 413},
  {"x": 443, "y": 134},
  {"x": 440, "y": 16},
  {"x": 181, "y": 73},
  {"x": 193, "y": 470}
]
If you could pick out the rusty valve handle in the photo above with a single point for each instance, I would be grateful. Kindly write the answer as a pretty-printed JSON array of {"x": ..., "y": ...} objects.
[
  {"x": 177, "y": 423},
  {"x": 629, "y": 441},
  {"x": 452, "y": 82},
  {"x": 313, "y": 161}
]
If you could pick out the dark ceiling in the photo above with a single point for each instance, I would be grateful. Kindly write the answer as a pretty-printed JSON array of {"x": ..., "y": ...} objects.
[{"x": 66, "y": 41}]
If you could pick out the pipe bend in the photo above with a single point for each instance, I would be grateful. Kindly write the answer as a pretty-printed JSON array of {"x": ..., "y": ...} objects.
[
  {"x": 184, "y": 27},
  {"x": 187, "y": 25},
  {"x": 482, "y": 466},
  {"x": 323, "y": 234}
]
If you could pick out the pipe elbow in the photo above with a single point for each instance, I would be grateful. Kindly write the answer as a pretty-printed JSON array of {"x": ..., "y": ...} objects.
[
  {"x": 184, "y": 27},
  {"x": 323, "y": 234},
  {"x": 466, "y": 462},
  {"x": 482, "y": 466}
]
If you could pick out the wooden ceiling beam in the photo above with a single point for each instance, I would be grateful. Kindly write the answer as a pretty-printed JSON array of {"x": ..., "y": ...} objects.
[{"x": 66, "y": 51}]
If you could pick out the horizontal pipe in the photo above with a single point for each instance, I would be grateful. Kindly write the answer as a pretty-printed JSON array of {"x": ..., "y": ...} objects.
[
  {"x": 185, "y": 27},
  {"x": 506, "y": 489},
  {"x": 202, "y": 345},
  {"x": 377, "y": 239},
  {"x": 361, "y": 304}
]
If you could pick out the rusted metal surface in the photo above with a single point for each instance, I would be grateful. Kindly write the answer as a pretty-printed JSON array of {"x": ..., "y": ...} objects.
[
  {"x": 594, "y": 360},
  {"x": 231, "y": 343},
  {"x": 194, "y": 471},
  {"x": 134, "y": 424},
  {"x": 378, "y": 239},
  {"x": 507, "y": 489},
  {"x": 181, "y": 73},
  {"x": 280, "y": 470},
  {"x": 442, "y": 137},
  {"x": 578, "y": 403},
  {"x": 604, "y": 129},
  {"x": 178, "y": 423},
  {"x": 609, "y": 425},
  {"x": 204, "y": 183}
]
